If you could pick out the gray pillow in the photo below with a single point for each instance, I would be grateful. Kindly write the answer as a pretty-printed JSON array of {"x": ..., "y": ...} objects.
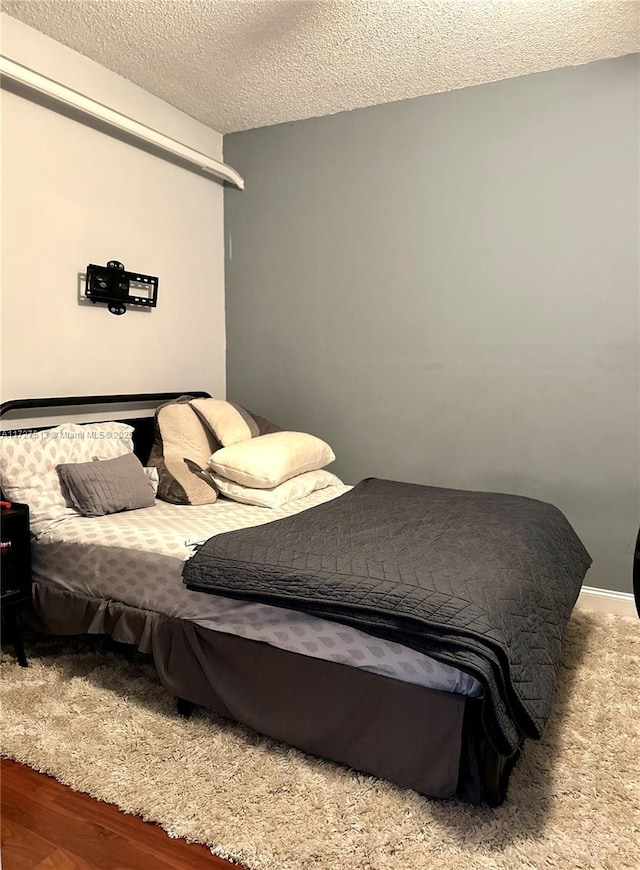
[
  {"x": 265, "y": 427},
  {"x": 108, "y": 486}
]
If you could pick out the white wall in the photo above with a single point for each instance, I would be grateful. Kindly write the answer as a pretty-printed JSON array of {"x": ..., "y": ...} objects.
[{"x": 72, "y": 195}]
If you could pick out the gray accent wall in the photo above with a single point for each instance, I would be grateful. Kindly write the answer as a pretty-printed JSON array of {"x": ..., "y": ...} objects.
[{"x": 447, "y": 290}]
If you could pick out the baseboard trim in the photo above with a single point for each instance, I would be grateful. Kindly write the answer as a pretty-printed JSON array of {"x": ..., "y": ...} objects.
[{"x": 607, "y": 601}]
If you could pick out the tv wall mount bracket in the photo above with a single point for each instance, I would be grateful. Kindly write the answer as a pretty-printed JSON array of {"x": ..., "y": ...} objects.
[{"x": 118, "y": 288}]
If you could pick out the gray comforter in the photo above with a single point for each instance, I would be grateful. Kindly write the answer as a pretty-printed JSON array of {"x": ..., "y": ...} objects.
[{"x": 483, "y": 581}]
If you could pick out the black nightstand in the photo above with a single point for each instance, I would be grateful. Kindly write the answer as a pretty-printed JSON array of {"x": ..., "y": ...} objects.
[{"x": 15, "y": 578}]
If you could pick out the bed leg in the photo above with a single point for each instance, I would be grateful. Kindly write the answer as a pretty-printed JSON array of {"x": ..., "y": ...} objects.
[
  {"x": 494, "y": 785},
  {"x": 185, "y": 708}
]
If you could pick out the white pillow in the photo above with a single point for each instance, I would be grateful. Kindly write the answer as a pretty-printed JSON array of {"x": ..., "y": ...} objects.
[
  {"x": 229, "y": 423},
  {"x": 269, "y": 460},
  {"x": 292, "y": 489},
  {"x": 28, "y": 464},
  {"x": 154, "y": 478}
]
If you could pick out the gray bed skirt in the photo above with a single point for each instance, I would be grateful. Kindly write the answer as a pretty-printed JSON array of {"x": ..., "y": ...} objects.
[{"x": 427, "y": 740}]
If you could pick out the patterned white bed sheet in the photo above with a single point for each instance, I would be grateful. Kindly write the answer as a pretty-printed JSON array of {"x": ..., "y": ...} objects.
[{"x": 137, "y": 557}]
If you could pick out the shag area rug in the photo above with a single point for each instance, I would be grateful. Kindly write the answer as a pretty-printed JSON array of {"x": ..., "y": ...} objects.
[{"x": 101, "y": 723}]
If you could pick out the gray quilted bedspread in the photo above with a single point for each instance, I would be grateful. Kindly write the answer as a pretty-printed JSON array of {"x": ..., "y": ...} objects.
[{"x": 483, "y": 581}]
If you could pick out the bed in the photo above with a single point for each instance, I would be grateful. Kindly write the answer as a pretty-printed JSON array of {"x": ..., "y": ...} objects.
[{"x": 320, "y": 684}]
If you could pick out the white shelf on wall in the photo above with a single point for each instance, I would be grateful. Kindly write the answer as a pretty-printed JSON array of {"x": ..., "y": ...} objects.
[{"x": 92, "y": 111}]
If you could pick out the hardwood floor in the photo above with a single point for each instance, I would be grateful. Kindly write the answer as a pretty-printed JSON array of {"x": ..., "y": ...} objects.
[{"x": 48, "y": 826}]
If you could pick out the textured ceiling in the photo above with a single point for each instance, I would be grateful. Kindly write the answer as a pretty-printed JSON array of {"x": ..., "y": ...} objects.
[{"x": 239, "y": 64}]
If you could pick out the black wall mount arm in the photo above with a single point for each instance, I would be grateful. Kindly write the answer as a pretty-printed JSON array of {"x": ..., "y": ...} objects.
[{"x": 119, "y": 288}]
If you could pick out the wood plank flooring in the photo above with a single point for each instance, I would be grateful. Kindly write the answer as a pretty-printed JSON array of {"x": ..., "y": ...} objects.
[{"x": 48, "y": 826}]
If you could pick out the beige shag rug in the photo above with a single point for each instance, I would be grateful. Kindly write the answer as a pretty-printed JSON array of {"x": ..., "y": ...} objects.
[{"x": 101, "y": 723}]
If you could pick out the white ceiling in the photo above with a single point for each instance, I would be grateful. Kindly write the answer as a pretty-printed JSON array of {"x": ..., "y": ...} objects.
[{"x": 239, "y": 64}]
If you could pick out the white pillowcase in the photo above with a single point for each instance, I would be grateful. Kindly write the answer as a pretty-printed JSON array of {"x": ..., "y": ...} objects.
[
  {"x": 269, "y": 460},
  {"x": 292, "y": 489},
  {"x": 229, "y": 423},
  {"x": 154, "y": 478},
  {"x": 28, "y": 464}
]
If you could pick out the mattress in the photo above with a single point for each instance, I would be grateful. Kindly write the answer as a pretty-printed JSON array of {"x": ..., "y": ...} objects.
[
  {"x": 137, "y": 557},
  {"x": 483, "y": 581}
]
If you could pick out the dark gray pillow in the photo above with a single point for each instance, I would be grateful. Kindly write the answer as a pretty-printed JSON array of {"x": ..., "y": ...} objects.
[
  {"x": 108, "y": 486},
  {"x": 265, "y": 427}
]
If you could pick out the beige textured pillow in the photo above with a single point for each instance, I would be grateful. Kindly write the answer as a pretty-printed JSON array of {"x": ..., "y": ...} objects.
[
  {"x": 180, "y": 452},
  {"x": 291, "y": 490},
  {"x": 269, "y": 460},
  {"x": 229, "y": 423}
]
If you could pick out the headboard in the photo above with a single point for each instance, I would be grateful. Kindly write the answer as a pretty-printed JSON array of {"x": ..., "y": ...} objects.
[{"x": 129, "y": 403}]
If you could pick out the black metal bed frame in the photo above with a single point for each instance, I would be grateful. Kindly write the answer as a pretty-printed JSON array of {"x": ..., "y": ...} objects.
[
  {"x": 496, "y": 767},
  {"x": 77, "y": 401},
  {"x": 142, "y": 426}
]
